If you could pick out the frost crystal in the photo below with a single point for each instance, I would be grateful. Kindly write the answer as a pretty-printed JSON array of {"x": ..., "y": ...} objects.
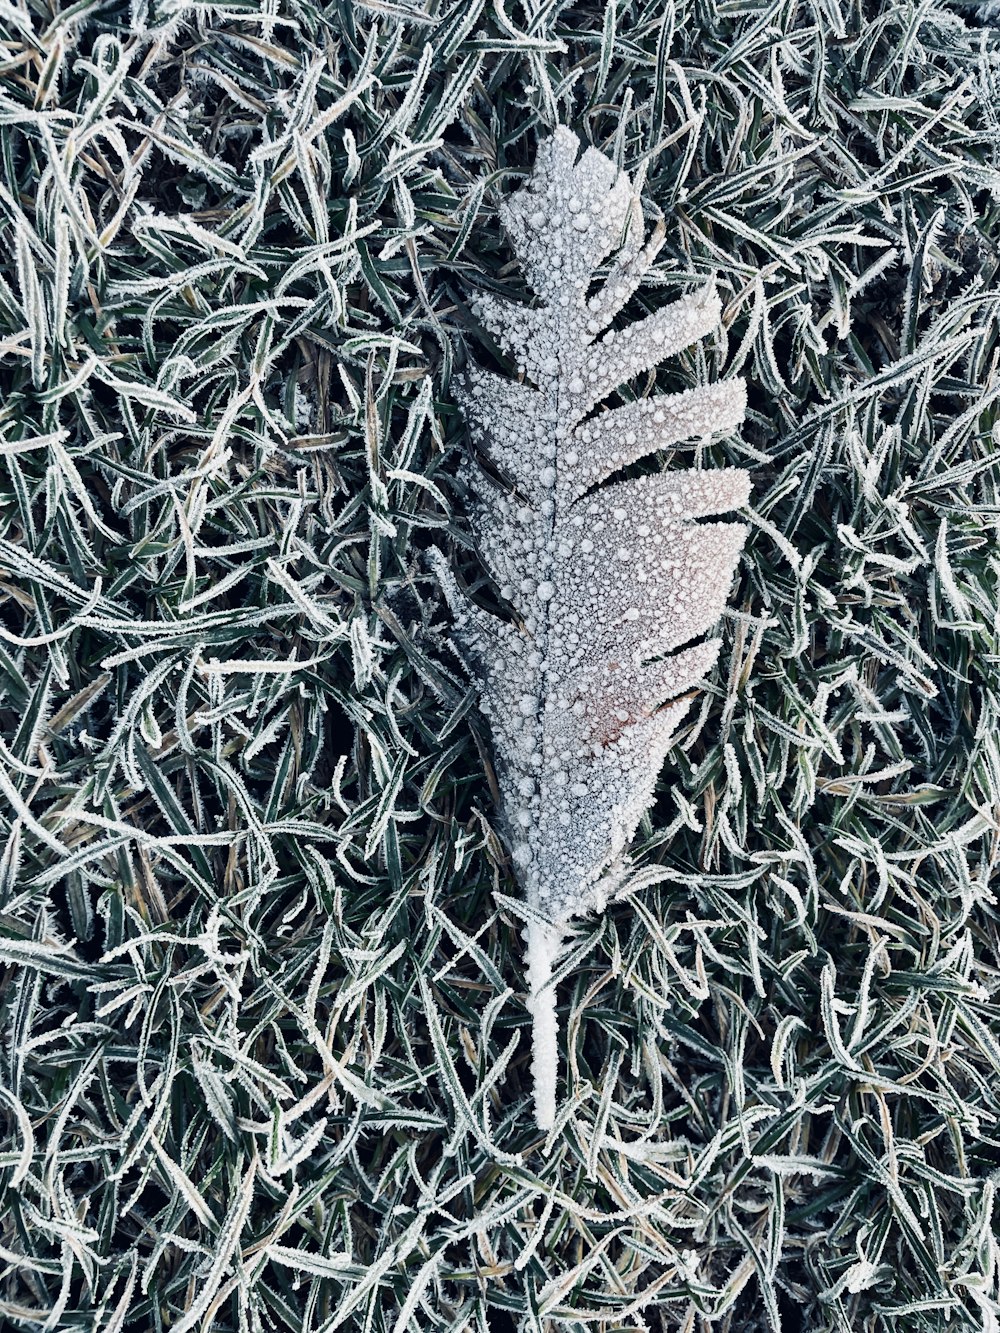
[{"x": 606, "y": 580}]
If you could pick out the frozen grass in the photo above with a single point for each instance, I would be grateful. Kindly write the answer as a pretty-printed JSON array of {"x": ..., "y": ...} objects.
[{"x": 266, "y": 1064}]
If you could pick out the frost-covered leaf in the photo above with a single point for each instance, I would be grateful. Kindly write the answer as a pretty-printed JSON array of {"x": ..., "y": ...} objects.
[{"x": 607, "y": 578}]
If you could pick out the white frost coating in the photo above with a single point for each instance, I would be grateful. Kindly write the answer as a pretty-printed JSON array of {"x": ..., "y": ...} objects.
[
  {"x": 542, "y": 951},
  {"x": 605, "y": 579}
]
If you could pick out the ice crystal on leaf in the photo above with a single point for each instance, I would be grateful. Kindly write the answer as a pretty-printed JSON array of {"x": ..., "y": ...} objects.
[{"x": 606, "y": 578}]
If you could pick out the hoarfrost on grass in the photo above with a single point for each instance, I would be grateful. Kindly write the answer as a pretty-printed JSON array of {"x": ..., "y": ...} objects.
[{"x": 260, "y": 1004}]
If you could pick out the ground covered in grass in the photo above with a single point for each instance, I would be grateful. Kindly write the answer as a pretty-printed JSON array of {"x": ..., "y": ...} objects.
[{"x": 266, "y": 1058}]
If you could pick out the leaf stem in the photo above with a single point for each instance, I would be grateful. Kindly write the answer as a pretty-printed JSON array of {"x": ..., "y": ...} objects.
[{"x": 544, "y": 943}]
